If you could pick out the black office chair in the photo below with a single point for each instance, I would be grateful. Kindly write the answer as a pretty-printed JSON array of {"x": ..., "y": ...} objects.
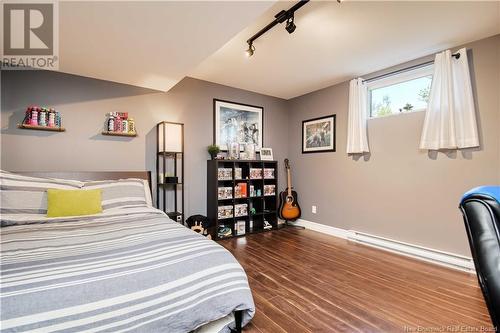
[{"x": 481, "y": 210}]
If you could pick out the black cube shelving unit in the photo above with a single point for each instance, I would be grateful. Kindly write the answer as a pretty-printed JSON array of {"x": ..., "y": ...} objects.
[
  {"x": 265, "y": 205},
  {"x": 170, "y": 161}
]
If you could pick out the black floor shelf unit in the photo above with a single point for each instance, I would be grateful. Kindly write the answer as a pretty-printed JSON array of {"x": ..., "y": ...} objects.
[
  {"x": 170, "y": 194},
  {"x": 265, "y": 204}
]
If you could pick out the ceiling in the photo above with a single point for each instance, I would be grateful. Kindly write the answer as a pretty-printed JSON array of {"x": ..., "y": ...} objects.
[
  {"x": 149, "y": 44},
  {"x": 336, "y": 42}
]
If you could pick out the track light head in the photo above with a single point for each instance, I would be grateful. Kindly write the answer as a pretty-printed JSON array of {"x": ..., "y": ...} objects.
[
  {"x": 290, "y": 26},
  {"x": 250, "y": 51},
  {"x": 282, "y": 16}
]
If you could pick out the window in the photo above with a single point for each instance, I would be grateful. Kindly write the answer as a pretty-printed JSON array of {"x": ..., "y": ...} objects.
[{"x": 403, "y": 92}]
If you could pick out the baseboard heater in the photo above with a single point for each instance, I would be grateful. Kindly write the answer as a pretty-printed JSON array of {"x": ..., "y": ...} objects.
[{"x": 419, "y": 252}]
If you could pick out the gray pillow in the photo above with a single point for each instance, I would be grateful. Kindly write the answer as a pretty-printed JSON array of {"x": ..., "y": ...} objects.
[
  {"x": 21, "y": 195},
  {"x": 122, "y": 193}
]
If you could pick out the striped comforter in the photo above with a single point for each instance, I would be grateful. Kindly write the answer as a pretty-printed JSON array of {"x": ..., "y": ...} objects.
[{"x": 125, "y": 270}]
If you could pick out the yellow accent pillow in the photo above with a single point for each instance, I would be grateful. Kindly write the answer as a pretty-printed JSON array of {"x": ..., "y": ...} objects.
[{"x": 73, "y": 202}]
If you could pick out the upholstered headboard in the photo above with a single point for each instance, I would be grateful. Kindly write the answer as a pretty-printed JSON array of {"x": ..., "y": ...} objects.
[{"x": 90, "y": 175}]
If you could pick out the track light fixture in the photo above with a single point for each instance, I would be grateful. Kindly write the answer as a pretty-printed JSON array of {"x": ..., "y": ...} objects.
[
  {"x": 284, "y": 15},
  {"x": 290, "y": 26},
  {"x": 250, "y": 51}
]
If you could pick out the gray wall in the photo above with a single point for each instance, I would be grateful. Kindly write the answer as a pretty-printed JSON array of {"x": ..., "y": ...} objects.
[
  {"x": 84, "y": 103},
  {"x": 398, "y": 191}
]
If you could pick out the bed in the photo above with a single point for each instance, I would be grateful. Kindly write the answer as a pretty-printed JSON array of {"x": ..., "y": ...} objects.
[{"x": 127, "y": 269}]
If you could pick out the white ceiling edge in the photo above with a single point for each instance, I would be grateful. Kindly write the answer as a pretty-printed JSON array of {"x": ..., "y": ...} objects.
[
  {"x": 152, "y": 44},
  {"x": 327, "y": 83},
  {"x": 336, "y": 42}
]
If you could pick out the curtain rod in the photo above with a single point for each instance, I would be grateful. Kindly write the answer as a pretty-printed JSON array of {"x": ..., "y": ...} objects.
[{"x": 406, "y": 69}]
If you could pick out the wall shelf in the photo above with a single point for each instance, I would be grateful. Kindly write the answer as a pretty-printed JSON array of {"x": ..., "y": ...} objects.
[
  {"x": 41, "y": 128},
  {"x": 132, "y": 134}
]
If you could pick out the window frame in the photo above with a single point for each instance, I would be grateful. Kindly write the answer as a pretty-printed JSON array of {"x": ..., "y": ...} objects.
[{"x": 401, "y": 77}]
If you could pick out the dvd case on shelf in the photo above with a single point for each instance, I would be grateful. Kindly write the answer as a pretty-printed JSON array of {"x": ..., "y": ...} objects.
[
  {"x": 240, "y": 210},
  {"x": 240, "y": 190},
  {"x": 225, "y": 212},
  {"x": 225, "y": 193},
  {"x": 269, "y": 190},
  {"x": 255, "y": 173},
  {"x": 238, "y": 173},
  {"x": 269, "y": 173},
  {"x": 225, "y": 174},
  {"x": 240, "y": 227}
]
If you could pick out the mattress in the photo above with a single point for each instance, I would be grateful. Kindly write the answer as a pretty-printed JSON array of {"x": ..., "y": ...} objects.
[{"x": 125, "y": 270}]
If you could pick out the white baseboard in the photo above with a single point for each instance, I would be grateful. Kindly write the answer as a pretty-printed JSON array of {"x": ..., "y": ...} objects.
[
  {"x": 325, "y": 229},
  {"x": 439, "y": 257}
]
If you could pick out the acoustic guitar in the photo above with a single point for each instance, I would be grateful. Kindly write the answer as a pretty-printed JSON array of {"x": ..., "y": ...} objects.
[{"x": 289, "y": 209}]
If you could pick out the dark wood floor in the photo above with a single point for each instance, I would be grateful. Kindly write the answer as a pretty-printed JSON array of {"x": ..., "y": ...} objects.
[{"x": 304, "y": 281}]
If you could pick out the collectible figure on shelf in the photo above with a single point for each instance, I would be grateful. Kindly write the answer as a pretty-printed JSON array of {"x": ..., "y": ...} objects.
[
  {"x": 252, "y": 191},
  {"x": 52, "y": 118},
  {"x": 41, "y": 117},
  {"x": 131, "y": 125},
  {"x": 118, "y": 125},
  {"x": 34, "y": 116},
  {"x": 58, "y": 119},
  {"x": 118, "y": 122},
  {"x": 111, "y": 122},
  {"x": 28, "y": 115},
  {"x": 250, "y": 150},
  {"x": 234, "y": 151}
]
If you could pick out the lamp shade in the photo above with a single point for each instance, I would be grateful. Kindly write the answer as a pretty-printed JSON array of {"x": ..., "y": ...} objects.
[{"x": 170, "y": 136}]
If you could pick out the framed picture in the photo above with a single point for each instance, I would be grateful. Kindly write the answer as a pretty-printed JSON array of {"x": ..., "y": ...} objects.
[
  {"x": 318, "y": 135},
  {"x": 237, "y": 122},
  {"x": 266, "y": 154}
]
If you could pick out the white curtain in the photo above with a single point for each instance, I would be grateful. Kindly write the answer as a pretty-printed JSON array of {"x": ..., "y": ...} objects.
[
  {"x": 357, "y": 142},
  {"x": 450, "y": 120}
]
